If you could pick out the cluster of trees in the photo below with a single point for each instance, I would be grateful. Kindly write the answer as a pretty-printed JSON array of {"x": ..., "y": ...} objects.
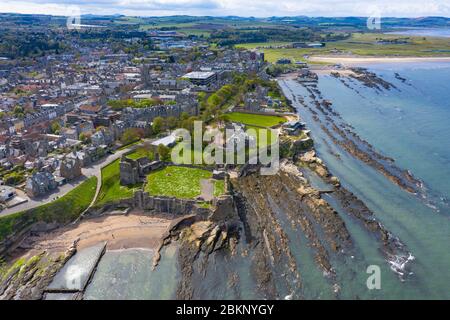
[
  {"x": 285, "y": 34},
  {"x": 55, "y": 127},
  {"x": 131, "y": 135},
  {"x": 170, "y": 123},
  {"x": 275, "y": 70},
  {"x": 18, "y": 112},
  {"x": 14, "y": 44},
  {"x": 13, "y": 177},
  {"x": 254, "y": 35}
]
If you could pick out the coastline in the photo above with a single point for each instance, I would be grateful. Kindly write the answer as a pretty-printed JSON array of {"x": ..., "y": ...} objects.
[
  {"x": 395, "y": 208},
  {"x": 356, "y": 60},
  {"x": 120, "y": 232}
]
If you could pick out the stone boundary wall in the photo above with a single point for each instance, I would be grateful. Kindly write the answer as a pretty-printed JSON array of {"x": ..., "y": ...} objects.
[
  {"x": 152, "y": 204},
  {"x": 223, "y": 206}
]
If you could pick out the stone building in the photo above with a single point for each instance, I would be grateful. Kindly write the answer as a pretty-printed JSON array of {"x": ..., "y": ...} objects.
[
  {"x": 40, "y": 184},
  {"x": 135, "y": 171},
  {"x": 70, "y": 168}
]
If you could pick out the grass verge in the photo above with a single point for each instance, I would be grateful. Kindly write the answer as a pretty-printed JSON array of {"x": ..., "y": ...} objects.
[{"x": 63, "y": 210}]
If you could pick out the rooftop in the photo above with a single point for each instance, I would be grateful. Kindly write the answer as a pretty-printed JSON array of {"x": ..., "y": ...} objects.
[
  {"x": 166, "y": 141},
  {"x": 199, "y": 74}
]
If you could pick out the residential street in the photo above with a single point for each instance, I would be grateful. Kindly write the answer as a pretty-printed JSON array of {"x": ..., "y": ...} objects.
[{"x": 90, "y": 171}]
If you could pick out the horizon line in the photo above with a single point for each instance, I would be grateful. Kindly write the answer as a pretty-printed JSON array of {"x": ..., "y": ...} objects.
[{"x": 223, "y": 16}]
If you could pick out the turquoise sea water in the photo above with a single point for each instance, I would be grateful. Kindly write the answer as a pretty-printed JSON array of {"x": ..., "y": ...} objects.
[
  {"x": 412, "y": 125},
  {"x": 128, "y": 274},
  {"x": 426, "y": 32}
]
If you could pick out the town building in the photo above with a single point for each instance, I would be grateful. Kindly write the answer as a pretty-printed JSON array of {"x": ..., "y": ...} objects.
[
  {"x": 70, "y": 168},
  {"x": 201, "y": 78},
  {"x": 40, "y": 184}
]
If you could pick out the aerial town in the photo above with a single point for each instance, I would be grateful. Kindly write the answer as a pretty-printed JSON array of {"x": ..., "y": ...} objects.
[
  {"x": 65, "y": 116},
  {"x": 185, "y": 158}
]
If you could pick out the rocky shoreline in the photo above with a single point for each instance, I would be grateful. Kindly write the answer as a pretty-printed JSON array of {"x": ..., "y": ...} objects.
[
  {"x": 342, "y": 134},
  {"x": 391, "y": 247},
  {"x": 268, "y": 218}
]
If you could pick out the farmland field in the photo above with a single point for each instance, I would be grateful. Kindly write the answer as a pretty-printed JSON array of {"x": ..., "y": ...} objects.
[{"x": 363, "y": 44}]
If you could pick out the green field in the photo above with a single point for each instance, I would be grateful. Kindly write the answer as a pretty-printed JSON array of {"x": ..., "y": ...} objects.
[
  {"x": 194, "y": 153},
  {"x": 141, "y": 152},
  {"x": 180, "y": 182},
  {"x": 63, "y": 210},
  {"x": 255, "y": 120},
  {"x": 262, "y": 45},
  {"x": 363, "y": 44},
  {"x": 271, "y": 138},
  {"x": 111, "y": 189},
  {"x": 126, "y": 146}
]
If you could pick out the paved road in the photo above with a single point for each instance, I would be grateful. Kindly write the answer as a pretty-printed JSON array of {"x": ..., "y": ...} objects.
[{"x": 90, "y": 171}]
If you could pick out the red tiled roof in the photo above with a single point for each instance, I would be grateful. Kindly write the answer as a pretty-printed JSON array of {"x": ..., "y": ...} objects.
[{"x": 90, "y": 108}]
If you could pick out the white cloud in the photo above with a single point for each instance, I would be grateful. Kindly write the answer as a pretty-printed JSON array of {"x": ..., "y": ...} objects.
[{"x": 260, "y": 8}]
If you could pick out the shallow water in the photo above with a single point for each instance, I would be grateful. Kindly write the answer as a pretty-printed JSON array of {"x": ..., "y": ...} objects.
[
  {"x": 127, "y": 274},
  {"x": 410, "y": 125},
  {"x": 77, "y": 271}
]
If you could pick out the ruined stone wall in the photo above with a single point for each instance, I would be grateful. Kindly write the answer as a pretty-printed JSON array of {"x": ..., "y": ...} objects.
[
  {"x": 142, "y": 200},
  {"x": 129, "y": 173}
]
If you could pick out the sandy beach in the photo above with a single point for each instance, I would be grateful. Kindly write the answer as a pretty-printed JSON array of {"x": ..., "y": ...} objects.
[
  {"x": 120, "y": 231},
  {"x": 355, "y": 60}
]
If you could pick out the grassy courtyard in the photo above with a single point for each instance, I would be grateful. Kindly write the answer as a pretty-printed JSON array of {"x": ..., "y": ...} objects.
[
  {"x": 141, "y": 152},
  {"x": 255, "y": 120},
  {"x": 111, "y": 189},
  {"x": 271, "y": 138},
  {"x": 180, "y": 182},
  {"x": 63, "y": 210}
]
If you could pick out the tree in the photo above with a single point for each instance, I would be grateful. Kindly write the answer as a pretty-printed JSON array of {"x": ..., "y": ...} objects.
[
  {"x": 18, "y": 111},
  {"x": 55, "y": 127},
  {"x": 157, "y": 125},
  {"x": 172, "y": 122},
  {"x": 184, "y": 115},
  {"x": 85, "y": 138},
  {"x": 164, "y": 152},
  {"x": 214, "y": 100},
  {"x": 130, "y": 135}
]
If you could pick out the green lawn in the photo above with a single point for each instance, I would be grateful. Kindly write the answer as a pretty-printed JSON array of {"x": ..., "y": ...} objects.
[
  {"x": 255, "y": 120},
  {"x": 111, "y": 189},
  {"x": 262, "y": 45},
  {"x": 63, "y": 210},
  {"x": 261, "y": 143},
  {"x": 125, "y": 146},
  {"x": 180, "y": 182},
  {"x": 141, "y": 152}
]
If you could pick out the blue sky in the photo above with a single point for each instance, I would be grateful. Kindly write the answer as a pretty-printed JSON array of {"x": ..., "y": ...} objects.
[{"x": 257, "y": 8}]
